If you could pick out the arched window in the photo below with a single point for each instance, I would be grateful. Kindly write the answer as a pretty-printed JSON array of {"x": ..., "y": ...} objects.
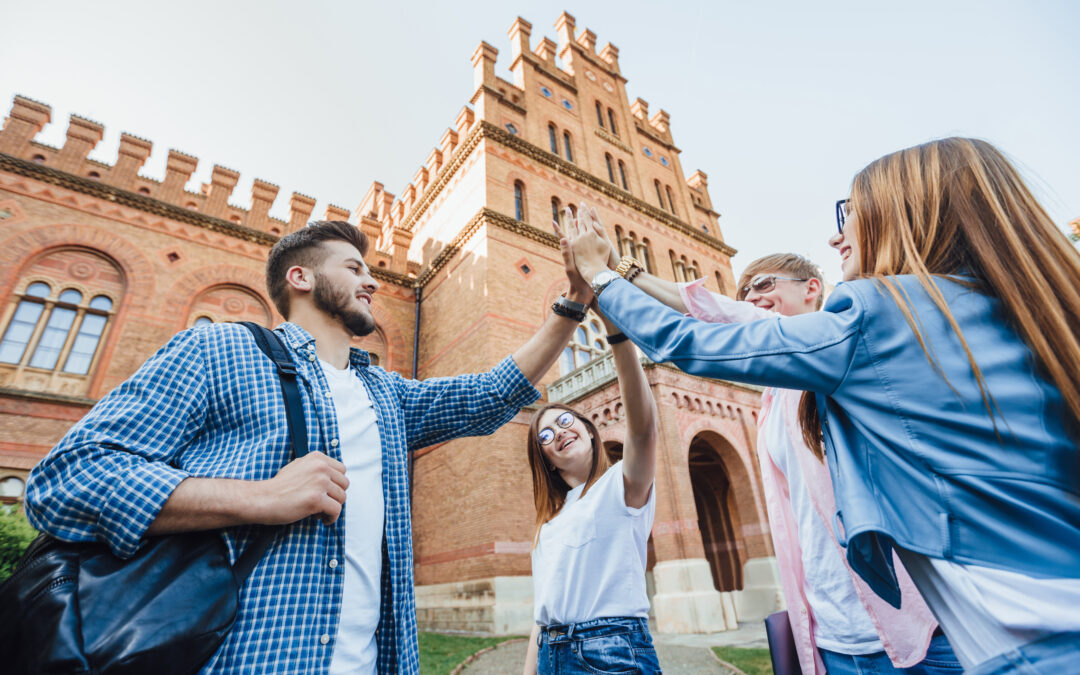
[
  {"x": 226, "y": 302},
  {"x": 692, "y": 271},
  {"x": 55, "y": 333},
  {"x": 678, "y": 267},
  {"x": 644, "y": 255},
  {"x": 719, "y": 282},
  {"x": 620, "y": 240},
  {"x": 599, "y": 114},
  {"x": 622, "y": 175},
  {"x": 611, "y": 120},
  {"x": 556, "y": 211},
  {"x": 573, "y": 209},
  {"x": 587, "y": 344},
  {"x": 670, "y": 199},
  {"x": 566, "y": 144},
  {"x": 610, "y": 168},
  {"x": 553, "y": 139},
  {"x": 519, "y": 200},
  {"x": 659, "y": 194}
]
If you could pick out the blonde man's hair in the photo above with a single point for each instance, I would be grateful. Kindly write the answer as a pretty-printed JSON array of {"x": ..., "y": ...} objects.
[{"x": 788, "y": 264}]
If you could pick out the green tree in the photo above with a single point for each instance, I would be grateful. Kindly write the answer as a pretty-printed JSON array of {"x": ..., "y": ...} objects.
[{"x": 15, "y": 535}]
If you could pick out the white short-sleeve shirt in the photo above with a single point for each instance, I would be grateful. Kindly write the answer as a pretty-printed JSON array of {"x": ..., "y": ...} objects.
[{"x": 589, "y": 562}]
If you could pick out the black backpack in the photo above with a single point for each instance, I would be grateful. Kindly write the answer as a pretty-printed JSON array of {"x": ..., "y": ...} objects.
[{"x": 77, "y": 608}]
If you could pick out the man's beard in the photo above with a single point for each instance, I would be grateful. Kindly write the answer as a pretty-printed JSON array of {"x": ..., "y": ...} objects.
[{"x": 335, "y": 302}]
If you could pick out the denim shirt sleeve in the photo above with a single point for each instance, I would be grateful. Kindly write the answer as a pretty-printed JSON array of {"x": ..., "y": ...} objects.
[
  {"x": 811, "y": 352},
  {"x": 442, "y": 408},
  {"x": 109, "y": 476}
]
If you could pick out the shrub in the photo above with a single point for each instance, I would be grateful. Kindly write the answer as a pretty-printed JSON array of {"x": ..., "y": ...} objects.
[{"x": 15, "y": 535}]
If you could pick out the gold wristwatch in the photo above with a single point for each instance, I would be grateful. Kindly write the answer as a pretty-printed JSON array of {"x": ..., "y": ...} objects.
[{"x": 627, "y": 263}]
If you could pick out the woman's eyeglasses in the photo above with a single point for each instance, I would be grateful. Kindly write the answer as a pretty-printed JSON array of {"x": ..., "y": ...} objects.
[
  {"x": 763, "y": 283},
  {"x": 546, "y": 435},
  {"x": 841, "y": 214}
]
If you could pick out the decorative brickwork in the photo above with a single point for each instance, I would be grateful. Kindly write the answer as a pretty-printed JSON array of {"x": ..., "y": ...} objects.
[{"x": 475, "y": 262}]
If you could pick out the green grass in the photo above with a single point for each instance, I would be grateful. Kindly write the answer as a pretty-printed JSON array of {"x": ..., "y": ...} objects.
[
  {"x": 750, "y": 661},
  {"x": 440, "y": 654}
]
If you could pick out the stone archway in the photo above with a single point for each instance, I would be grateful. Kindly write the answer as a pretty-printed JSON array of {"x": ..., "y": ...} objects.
[{"x": 715, "y": 486}]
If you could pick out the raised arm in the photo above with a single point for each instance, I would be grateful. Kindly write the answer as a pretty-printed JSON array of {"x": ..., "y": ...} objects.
[
  {"x": 639, "y": 450},
  {"x": 811, "y": 352}
]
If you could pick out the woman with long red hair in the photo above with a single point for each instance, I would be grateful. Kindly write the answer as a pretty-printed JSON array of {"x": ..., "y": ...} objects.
[
  {"x": 943, "y": 389},
  {"x": 593, "y": 519}
]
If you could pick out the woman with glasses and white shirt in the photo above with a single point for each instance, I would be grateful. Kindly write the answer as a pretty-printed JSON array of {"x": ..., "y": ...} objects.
[{"x": 593, "y": 521}]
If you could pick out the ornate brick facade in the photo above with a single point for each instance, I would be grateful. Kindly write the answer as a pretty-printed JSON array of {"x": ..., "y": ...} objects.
[{"x": 468, "y": 267}]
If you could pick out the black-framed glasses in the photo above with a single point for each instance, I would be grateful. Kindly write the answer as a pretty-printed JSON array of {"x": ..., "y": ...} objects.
[
  {"x": 546, "y": 435},
  {"x": 763, "y": 283},
  {"x": 841, "y": 214}
]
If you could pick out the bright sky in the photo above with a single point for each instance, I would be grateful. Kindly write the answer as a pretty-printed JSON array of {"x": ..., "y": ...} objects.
[{"x": 779, "y": 103}]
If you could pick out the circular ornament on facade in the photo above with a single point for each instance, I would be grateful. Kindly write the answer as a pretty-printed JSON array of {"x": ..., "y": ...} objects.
[
  {"x": 589, "y": 74},
  {"x": 663, "y": 160},
  {"x": 512, "y": 129},
  {"x": 545, "y": 91},
  {"x": 646, "y": 150},
  {"x": 234, "y": 305},
  {"x": 607, "y": 85},
  {"x": 567, "y": 104},
  {"x": 81, "y": 270}
]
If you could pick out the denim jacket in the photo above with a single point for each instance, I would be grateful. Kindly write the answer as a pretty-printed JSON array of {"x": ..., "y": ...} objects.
[{"x": 916, "y": 459}]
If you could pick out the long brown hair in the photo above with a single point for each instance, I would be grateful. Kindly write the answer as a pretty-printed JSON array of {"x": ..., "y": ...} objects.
[
  {"x": 549, "y": 488},
  {"x": 958, "y": 206}
]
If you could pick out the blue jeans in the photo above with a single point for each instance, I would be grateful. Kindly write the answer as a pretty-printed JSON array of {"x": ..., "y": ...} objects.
[
  {"x": 614, "y": 645},
  {"x": 939, "y": 660},
  {"x": 1055, "y": 655}
]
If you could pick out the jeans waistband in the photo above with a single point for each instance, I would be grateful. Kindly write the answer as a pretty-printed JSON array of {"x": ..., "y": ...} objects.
[{"x": 594, "y": 627}]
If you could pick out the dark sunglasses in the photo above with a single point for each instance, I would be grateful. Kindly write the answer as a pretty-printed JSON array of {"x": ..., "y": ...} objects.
[
  {"x": 763, "y": 283},
  {"x": 546, "y": 435},
  {"x": 841, "y": 214}
]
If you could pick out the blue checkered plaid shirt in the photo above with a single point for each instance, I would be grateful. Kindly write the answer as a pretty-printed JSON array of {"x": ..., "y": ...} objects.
[{"x": 208, "y": 404}]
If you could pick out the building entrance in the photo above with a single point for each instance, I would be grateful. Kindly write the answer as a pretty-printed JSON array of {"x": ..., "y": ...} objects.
[{"x": 717, "y": 513}]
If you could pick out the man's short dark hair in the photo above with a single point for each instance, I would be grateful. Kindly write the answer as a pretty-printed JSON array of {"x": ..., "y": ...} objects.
[{"x": 303, "y": 248}]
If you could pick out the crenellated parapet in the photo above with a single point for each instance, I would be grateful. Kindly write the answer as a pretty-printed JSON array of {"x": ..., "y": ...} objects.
[{"x": 28, "y": 118}]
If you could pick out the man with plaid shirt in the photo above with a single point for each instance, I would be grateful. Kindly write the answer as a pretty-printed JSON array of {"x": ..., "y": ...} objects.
[{"x": 197, "y": 439}]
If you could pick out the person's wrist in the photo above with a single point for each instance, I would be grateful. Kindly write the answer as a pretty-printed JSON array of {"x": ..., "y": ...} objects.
[
  {"x": 589, "y": 270},
  {"x": 252, "y": 503},
  {"x": 582, "y": 296}
]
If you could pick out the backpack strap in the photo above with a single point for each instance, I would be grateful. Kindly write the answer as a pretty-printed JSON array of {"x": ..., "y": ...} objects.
[{"x": 271, "y": 345}]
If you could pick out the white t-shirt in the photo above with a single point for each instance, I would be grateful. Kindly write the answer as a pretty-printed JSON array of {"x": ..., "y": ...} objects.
[
  {"x": 355, "y": 650},
  {"x": 985, "y": 612},
  {"x": 590, "y": 560},
  {"x": 841, "y": 623}
]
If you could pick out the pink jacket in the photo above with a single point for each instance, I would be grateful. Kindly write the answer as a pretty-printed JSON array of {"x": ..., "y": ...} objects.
[{"x": 905, "y": 633}]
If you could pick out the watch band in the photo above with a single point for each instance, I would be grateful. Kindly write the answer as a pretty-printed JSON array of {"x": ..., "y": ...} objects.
[
  {"x": 563, "y": 306},
  {"x": 627, "y": 263},
  {"x": 616, "y": 338}
]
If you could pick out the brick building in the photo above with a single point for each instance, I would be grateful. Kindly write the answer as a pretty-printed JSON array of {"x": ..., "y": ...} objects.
[{"x": 100, "y": 266}]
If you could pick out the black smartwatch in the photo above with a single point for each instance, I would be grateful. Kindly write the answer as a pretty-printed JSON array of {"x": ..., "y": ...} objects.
[{"x": 570, "y": 309}]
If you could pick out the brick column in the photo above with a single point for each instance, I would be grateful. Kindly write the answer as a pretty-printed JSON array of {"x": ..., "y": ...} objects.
[
  {"x": 26, "y": 119},
  {"x": 178, "y": 170},
  {"x": 132, "y": 155},
  {"x": 263, "y": 195},
  {"x": 222, "y": 182},
  {"x": 82, "y": 136},
  {"x": 300, "y": 208}
]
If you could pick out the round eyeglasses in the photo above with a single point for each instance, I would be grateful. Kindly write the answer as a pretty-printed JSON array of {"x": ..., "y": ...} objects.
[{"x": 546, "y": 435}]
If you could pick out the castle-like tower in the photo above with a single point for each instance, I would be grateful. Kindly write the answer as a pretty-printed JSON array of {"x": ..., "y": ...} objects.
[{"x": 100, "y": 266}]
